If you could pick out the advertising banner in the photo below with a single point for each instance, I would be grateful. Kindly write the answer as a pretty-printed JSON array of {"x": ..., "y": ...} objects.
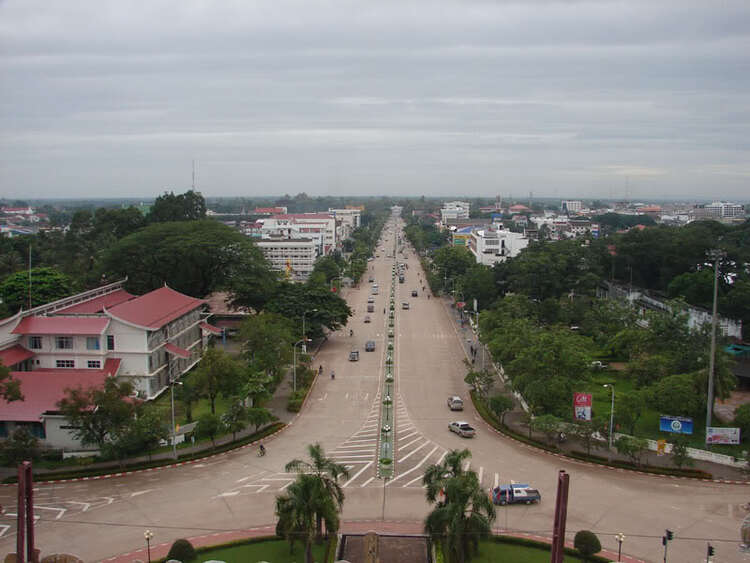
[
  {"x": 582, "y": 406},
  {"x": 661, "y": 447},
  {"x": 676, "y": 424},
  {"x": 716, "y": 435}
]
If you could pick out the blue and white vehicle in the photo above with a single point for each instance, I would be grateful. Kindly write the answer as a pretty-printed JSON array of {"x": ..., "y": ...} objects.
[{"x": 515, "y": 493}]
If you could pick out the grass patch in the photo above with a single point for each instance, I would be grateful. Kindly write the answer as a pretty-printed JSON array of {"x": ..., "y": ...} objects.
[
  {"x": 518, "y": 550},
  {"x": 269, "y": 548}
]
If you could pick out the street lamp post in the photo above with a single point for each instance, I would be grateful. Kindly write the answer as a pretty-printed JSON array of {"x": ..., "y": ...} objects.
[
  {"x": 174, "y": 429},
  {"x": 149, "y": 535},
  {"x": 294, "y": 363},
  {"x": 304, "y": 334},
  {"x": 715, "y": 255},
  {"x": 620, "y": 538},
  {"x": 611, "y": 386}
]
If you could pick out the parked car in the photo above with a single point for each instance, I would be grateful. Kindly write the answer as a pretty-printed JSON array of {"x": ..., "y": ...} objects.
[
  {"x": 414, "y": 293},
  {"x": 367, "y": 318},
  {"x": 370, "y": 346},
  {"x": 354, "y": 356},
  {"x": 371, "y": 308},
  {"x": 515, "y": 493},
  {"x": 598, "y": 365},
  {"x": 405, "y": 305},
  {"x": 455, "y": 403},
  {"x": 371, "y": 299},
  {"x": 463, "y": 429}
]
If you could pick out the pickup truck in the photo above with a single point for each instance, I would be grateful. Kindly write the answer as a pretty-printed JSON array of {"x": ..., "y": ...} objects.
[
  {"x": 515, "y": 493},
  {"x": 461, "y": 428},
  {"x": 598, "y": 365}
]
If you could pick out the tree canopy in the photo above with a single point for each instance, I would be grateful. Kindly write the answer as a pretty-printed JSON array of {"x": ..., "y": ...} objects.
[
  {"x": 47, "y": 285},
  {"x": 190, "y": 206}
]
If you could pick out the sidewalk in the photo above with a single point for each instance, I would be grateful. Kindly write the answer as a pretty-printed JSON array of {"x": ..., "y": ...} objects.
[{"x": 514, "y": 419}]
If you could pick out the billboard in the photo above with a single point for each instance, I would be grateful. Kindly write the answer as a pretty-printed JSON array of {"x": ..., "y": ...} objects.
[
  {"x": 676, "y": 424},
  {"x": 582, "y": 406},
  {"x": 716, "y": 435}
]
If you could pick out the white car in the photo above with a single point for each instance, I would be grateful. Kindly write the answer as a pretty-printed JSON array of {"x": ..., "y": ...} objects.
[
  {"x": 455, "y": 403},
  {"x": 462, "y": 428}
]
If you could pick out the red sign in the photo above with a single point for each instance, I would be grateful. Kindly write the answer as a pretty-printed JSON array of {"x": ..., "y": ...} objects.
[
  {"x": 582, "y": 406},
  {"x": 460, "y": 304}
]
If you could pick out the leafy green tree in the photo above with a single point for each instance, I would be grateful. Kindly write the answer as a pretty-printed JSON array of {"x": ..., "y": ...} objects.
[
  {"x": 437, "y": 474},
  {"x": 10, "y": 388},
  {"x": 696, "y": 288},
  {"x": 587, "y": 432},
  {"x": 235, "y": 419},
  {"x": 327, "y": 472},
  {"x": 298, "y": 507},
  {"x": 630, "y": 407},
  {"x": 195, "y": 257},
  {"x": 209, "y": 426},
  {"x": 481, "y": 381},
  {"x": 461, "y": 523},
  {"x": 587, "y": 543},
  {"x": 267, "y": 340},
  {"x": 632, "y": 447},
  {"x": 20, "y": 446},
  {"x": 677, "y": 395},
  {"x": 291, "y": 300},
  {"x": 546, "y": 424},
  {"x": 647, "y": 369},
  {"x": 452, "y": 261},
  {"x": 47, "y": 285},
  {"x": 742, "y": 420},
  {"x": 190, "y": 206},
  {"x": 98, "y": 413},
  {"x": 138, "y": 435},
  {"x": 188, "y": 394},
  {"x": 500, "y": 405},
  {"x": 680, "y": 456},
  {"x": 10, "y": 262},
  {"x": 258, "y": 386},
  {"x": 258, "y": 416},
  {"x": 217, "y": 373},
  {"x": 478, "y": 282}
]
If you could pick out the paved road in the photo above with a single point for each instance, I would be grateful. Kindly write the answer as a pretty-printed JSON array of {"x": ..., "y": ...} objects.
[{"x": 98, "y": 519}]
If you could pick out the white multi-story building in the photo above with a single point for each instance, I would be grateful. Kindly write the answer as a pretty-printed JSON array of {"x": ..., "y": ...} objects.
[
  {"x": 295, "y": 257},
  {"x": 303, "y": 225},
  {"x": 721, "y": 210},
  {"x": 81, "y": 340},
  {"x": 491, "y": 246},
  {"x": 571, "y": 206},
  {"x": 453, "y": 210},
  {"x": 347, "y": 220}
]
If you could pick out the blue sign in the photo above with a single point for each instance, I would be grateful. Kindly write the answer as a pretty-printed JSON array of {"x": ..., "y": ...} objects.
[{"x": 676, "y": 424}]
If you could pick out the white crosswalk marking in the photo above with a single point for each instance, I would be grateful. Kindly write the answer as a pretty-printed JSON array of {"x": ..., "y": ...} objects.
[{"x": 497, "y": 481}]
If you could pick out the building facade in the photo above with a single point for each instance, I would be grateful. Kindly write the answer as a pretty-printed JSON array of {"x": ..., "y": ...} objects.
[
  {"x": 454, "y": 210},
  {"x": 294, "y": 257}
]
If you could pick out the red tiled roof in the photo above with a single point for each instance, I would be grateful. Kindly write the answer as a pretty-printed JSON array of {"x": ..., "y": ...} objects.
[
  {"x": 62, "y": 325},
  {"x": 15, "y": 354},
  {"x": 98, "y": 304},
  {"x": 176, "y": 350},
  {"x": 318, "y": 216},
  {"x": 155, "y": 309},
  {"x": 210, "y": 328},
  {"x": 43, "y": 388}
]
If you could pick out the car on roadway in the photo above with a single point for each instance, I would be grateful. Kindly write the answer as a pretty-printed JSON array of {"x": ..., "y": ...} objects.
[
  {"x": 455, "y": 403},
  {"x": 368, "y": 319},
  {"x": 414, "y": 293},
  {"x": 370, "y": 346},
  {"x": 371, "y": 299},
  {"x": 354, "y": 356},
  {"x": 515, "y": 493},
  {"x": 405, "y": 305},
  {"x": 371, "y": 279},
  {"x": 462, "y": 428},
  {"x": 598, "y": 365}
]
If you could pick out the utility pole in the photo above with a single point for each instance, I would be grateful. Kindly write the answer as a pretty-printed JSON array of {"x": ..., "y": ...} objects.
[{"x": 715, "y": 255}]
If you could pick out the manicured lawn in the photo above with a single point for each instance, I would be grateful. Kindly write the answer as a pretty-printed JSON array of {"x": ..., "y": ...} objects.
[
  {"x": 275, "y": 551},
  {"x": 497, "y": 552}
]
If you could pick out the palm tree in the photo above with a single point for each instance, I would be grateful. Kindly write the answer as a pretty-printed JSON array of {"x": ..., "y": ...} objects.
[
  {"x": 461, "y": 522},
  {"x": 327, "y": 472},
  {"x": 303, "y": 502},
  {"x": 436, "y": 475}
]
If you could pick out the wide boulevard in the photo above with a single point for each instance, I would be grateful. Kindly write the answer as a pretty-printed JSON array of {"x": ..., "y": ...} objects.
[{"x": 97, "y": 519}]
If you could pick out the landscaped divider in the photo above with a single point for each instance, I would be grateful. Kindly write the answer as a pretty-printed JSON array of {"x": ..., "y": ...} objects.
[{"x": 386, "y": 452}]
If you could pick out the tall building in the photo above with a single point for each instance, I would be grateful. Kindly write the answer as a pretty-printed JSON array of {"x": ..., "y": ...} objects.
[
  {"x": 453, "y": 210},
  {"x": 293, "y": 257},
  {"x": 571, "y": 206}
]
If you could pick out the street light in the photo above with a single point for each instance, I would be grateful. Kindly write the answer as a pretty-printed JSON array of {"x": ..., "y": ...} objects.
[
  {"x": 294, "y": 363},
  {"x": 715, "y": 255},
  {"x": 172, "y": 383},
  {"x": 611, "y": 416},
  {"x": 149, "y": 535},
  {"x": 620, "y": 538},
  {"x": 304, "y": 334}
]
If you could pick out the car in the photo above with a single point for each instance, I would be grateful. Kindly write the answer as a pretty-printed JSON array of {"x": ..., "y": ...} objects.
[
  {"x": 414, "y": 293},
  {"x": 371, "y": 299},
  {"x": 455, "y": 403},
  {"x": 371, "y": 308},
  {"x": 515, "y": 493},
  {"x": 405, "y": 305},
  {"x": 462, "y": 428},
  {"x": 371, "y": 279},
  {"x": 367, "y": 318},
  {"x": 374, "y": 290},
  {"x": 370, "y": 346},
  {"x": 598, "y": 365},
  {"x": 354, "y": 356}
]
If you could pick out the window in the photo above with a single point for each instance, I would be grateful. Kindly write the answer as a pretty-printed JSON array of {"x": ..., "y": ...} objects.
[
  {"x": 64, "y": 342},
  {"x": 65, "y": 363},
  {"x": 35, "y": 342},
  {"x": 94, "y": 364},
  {"x": 92, "y": 343},
  {"x": 110, "y": 342}
]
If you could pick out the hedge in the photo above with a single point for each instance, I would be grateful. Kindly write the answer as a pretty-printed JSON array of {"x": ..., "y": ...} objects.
[{"x": 490, "y": 419}]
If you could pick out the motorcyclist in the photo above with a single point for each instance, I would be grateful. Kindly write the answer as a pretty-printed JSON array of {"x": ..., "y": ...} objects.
[
  {"x": 261, "y": 450},
  {"x": 333, "y": 374}
]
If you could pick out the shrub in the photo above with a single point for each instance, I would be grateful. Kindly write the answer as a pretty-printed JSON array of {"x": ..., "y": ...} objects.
[
  {"x": 587, "y": 543},
  {"x": 182, "y": 550}
]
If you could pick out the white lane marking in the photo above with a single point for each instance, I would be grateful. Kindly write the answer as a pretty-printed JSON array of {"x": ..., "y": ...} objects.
[
  {"x": 352, "y": 447},
  {"x": 413, "y": 481},
  {"x": 85, "y": 505},
  {"x": 348, "y": 456},
  {"x": 323, "y": 397},
  {"x": 367, "y": 482},
  {"x": 441, "y": 458},
  {"x": 410, "y": 443},
  {"x": 481, "y": 471},
  {"x": 285, "y": 486},
  {"x": 413, "y": 468},
  {"x": 229, "y": 494},
  {"x": 366, "y": 395},
  {"x": 408, "y": 435},
  {"x": 497, "y": 480},
  {"x": 243, "y": 479},
  {"x": 358, "y": 473},
  {"x": 260, "y": 488},
  {"x": 346, "y": 396},
  {"x": 60, "y": 511},
  {"x": 3, "y": 529},
  {"x": 138, "y": 493},
  {"x": 411, "y": 453}
]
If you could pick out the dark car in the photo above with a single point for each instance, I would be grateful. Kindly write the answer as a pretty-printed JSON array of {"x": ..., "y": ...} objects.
[
  {"x": 414, "y": 293},
  {"x": 370, "y": 346}
]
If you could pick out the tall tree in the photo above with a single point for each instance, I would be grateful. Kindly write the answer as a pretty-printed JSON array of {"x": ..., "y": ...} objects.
[
  {"x": 217, "y": 373},
  {"x": 98, "y": 413},
  {"x": 292, "y": 300},
  {"x": 47, "y": 285},
  {"x": 189, "y": 206},
  {"x": 436, "y": 475},
  {"x": 267, "y": 340},
  {"x": 10, "y": 389}
]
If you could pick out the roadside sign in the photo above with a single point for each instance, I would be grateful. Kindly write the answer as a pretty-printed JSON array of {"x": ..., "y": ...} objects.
[
  {"x": 716, "y": 435},
  {"x": 676, "y": 424},
  {"x": 661, "y": 447},
  {"x": 582, "y": 406}
]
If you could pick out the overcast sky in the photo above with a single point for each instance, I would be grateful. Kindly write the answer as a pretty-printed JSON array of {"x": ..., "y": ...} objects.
[{"x": 571, "y": 99}]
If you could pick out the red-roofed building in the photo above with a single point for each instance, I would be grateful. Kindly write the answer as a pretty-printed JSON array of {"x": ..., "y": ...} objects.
[
  {"x": 269, "y": 210},
  {"x": 148, "y": 340}
]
